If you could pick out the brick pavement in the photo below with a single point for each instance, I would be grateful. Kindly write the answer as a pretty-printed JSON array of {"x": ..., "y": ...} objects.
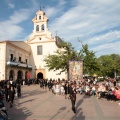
[{"x": 39, "y": 104}]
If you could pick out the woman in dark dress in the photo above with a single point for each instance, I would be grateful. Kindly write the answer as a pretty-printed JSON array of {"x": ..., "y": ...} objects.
[
  {"x": 19, "y": 90},
  {"x": 73, "y": 96},
  {"x": 66, "y": 88},
  {"x": 11, "y": 95},
  {"x": 7, "y": 89}
]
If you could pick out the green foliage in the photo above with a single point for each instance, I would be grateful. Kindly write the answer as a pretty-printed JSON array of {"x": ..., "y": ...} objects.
[
  {"x": 59, "y": 61},
  {"x": 105, "y": 65},
  {"x": 90, "y": 63},
  {"x": 109, "y": 64}
]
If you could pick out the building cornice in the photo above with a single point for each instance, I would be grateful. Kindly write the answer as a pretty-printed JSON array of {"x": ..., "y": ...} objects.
[
  {"x": 42, "y": 41},
  {"x": 43, "y": 35}
]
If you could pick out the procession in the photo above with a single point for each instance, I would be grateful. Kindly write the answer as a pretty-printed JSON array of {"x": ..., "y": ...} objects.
[
  {"x": 59, "y": 60},
  {"x": 108, "y": 90}
]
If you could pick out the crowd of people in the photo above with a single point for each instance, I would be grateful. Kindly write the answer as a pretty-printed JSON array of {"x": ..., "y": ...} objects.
[
  {"x": 107, "y": 89},
  {"x": 8, "y": 90}
]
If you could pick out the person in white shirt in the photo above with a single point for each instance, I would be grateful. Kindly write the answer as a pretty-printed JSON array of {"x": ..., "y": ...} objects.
[{"x": 62, "y": 90}]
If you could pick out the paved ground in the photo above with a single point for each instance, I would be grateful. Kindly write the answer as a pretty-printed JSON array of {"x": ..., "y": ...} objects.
[{"x": 39, "y": 104}]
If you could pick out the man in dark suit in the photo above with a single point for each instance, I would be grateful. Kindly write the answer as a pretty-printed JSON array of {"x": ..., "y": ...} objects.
[{"x": 72, "y": 91}]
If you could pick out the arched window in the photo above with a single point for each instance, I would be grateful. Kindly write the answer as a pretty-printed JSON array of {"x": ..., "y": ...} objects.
[
  {"x": 11, "y": 75},
  {"x": 19, "y": 75},
  {"x": 39, "y": 17},
  {"x": 42, "y": 27},
  {"x": 37, "y": 28}
]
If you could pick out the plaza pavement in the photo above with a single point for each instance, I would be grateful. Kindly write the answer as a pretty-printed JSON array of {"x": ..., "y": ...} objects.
[{"x": 39, "y": 104}]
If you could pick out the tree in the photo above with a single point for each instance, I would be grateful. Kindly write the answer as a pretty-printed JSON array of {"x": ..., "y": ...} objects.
[
  {"x": 59, "y": 61},
  {"x": 109, "y": 65},
  {"x": 116, "y": 64},
  {"x": 90, "y": 64}
]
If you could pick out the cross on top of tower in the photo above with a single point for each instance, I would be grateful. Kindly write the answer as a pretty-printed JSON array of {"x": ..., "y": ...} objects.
[{"x": 41, "y": 6}]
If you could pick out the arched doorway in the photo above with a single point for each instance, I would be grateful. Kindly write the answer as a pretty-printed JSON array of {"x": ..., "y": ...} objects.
[
  {"x": 40, "y": 75},
  {"x": 19, "y": 74},
  {"x": 11, "y": 75}
]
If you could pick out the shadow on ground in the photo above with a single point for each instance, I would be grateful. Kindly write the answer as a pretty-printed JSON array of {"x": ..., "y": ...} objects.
[
  {"x": 79, "y": 113},
  {"x": 59, "y": 111},
  {"x": 19, "y": 111}
]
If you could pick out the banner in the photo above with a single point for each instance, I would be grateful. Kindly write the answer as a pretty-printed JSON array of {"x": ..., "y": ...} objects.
[{"x": 75, "y": 70}]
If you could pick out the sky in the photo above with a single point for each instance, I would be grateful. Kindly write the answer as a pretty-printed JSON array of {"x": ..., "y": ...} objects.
[{"x": 94, "y": 22}]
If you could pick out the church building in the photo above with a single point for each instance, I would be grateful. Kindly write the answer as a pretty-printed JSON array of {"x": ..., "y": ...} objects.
[{"x": 24, "y": 59}]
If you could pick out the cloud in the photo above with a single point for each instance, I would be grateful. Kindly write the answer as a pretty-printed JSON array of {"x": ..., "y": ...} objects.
[
  {"x": 61, "y": 3},
  {"x": 10, "y": 29},
  {"x": 108, "y": 48},
  {"x": 95, "y": 22},
  {"x": 55, "y": 10},
  {"x": 19, "y": 16},
  {"x": 90, "y": 16},
  {"x": 109, "y": 37},
  {"x": 51, "y": 11},
  {"x": 87, "y": 20},
  {"x": 11, "y": 5},
  {"x": 107, "y": 43}
]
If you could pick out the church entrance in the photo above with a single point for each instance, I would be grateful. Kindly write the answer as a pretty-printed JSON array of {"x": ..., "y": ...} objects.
[
  {"x": 40, "y": 75},
  {"x": 19, "y": 75},
  {"x": 11, "y": 75}
]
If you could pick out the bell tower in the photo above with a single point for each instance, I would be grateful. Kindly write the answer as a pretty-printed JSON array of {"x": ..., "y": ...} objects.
[{"x": 40, "y": 22}]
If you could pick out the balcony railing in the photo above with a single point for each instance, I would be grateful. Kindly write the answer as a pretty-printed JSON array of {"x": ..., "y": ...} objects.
[{"x": 19, "y": 64}]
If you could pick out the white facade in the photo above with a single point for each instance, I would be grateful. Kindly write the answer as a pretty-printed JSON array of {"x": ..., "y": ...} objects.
[
  {"x": 2, "y": 60},
  {"x": 29, "y": 55},
  {"x": 14, "y": 60}
]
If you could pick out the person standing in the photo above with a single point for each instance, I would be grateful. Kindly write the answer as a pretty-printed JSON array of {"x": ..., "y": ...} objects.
[
  {"x": 66, "y": 88},
  {"x": 11, "y": 95},
  {"x": 18, "y": 90},
  {"x": 18, "y": 86},
  {"x": 45, "y": 83},
  {"x": 72, "y": 91},
  {"x": 7, "y": 88},
  {"x": 50, "y": 85}
]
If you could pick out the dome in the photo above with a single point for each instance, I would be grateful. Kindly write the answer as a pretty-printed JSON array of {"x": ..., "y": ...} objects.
[{"x": 58, "y": 41}]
